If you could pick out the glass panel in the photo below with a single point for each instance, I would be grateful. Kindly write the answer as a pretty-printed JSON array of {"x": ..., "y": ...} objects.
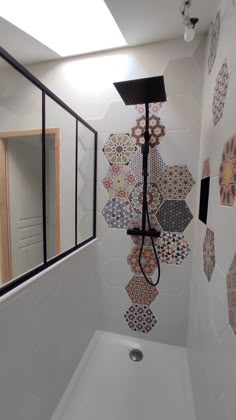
[
  {"x": 85, "y": 170},
  {"x": 21, "y": 239},
  {"x": 60, "y": 178}
]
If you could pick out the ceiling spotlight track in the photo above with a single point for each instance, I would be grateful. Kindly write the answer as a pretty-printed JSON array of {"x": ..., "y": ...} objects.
[{"x": 189, "y": 22}]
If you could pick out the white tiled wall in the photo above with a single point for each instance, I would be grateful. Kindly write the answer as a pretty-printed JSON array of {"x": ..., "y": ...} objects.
[
  {"x": 211, "y": 340},
  {"x": 45, "y": 328}
]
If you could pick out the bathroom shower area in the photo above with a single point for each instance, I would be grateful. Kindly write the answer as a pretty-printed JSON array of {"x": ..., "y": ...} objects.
[{"x": 118, "y": 228}]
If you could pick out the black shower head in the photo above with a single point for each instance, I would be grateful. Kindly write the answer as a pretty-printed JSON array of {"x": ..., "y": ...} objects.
[{"x": 142, "y": 91}]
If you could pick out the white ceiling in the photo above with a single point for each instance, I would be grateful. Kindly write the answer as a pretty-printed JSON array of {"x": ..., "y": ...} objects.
[
  {"x": 140, "y": 21},
  {"x": 143, "y": 21}
]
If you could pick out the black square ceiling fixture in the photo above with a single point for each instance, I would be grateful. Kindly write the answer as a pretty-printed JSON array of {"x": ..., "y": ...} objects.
[{"x": 142, "y": 91}]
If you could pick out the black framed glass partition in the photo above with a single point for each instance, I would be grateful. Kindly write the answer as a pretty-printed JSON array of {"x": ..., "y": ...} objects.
[
  {"x": 60, "y": 178},
  {"x": 85, "y": 186},
  {"x": 48, "y": 165}
]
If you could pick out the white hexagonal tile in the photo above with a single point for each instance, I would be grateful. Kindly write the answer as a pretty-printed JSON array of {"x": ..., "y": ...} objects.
[
  {"x": 199, "y": 56},
  {"x": 86, "y": 166},
  {"x": 181, "y": 275},
  {"x": 86, "y": 137},
  {"x": 102, "y": 196},
  {"x": 81, "y": 152},
  {"x": 80, "y": 184},
  {"x": 227, "y": 367},
  {"x": 80, "y": 212},
  {"x": 171, "y": 328},
  {"x": 85, "y": 227},
  {"x": 116, "y": 272},
  {"x": 218, "y": 302},
  {"x": 16, "y": 327},
  {"x": 116, "y": 243},
  {"x": 118, "y": 118},
  {"x": 179, "y": 146},
  {"x": 44, "y": 290},
  {"x": 103, "y": 165},
  {"x": 183, "y": 76},
  {"x": 86, "y": 196},
  {"x": 212, "y": 357},
  {"x": 115, "y": 303},
  {"x": 225, "y": 129},
  {"x": 179, "y": 112},
  {"x": 102, "y": 226},
  {"x": 226, "y": 42},
  {"x": 221, "y": 221}
]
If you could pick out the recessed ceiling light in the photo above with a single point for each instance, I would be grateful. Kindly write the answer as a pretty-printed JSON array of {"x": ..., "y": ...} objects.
[{"x": 67, "y": 27}]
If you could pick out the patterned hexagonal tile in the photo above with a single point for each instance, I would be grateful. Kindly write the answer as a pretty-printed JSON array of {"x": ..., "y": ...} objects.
[
  {"x": 119, "y": 149},
  {"x": 174, "y": 215},
  {"x": 118, "y": 213},
  {"x": 220, "y": 93},
  {"x": 136, "y": 222},
  {"x": 148, "y": 260},
  {"x": 231, "y": 293},
  {"x": 156, "y": 130},
  {"x": 154, "y": 108},
  {"x": 172, "y": 248},
  {"x": 209, "y": 253},
  {"x": 140, "y": 318},
  {"x": 215, "y": 32},
  {"x": 227, "y": 173},
  {"x": 119, "y": 182},
  {"x": 176, "y": 182},
  {"x": 140, "y": 291},
  {"x": 156, "y": 165},
  {"x": 154, "y": 198}
]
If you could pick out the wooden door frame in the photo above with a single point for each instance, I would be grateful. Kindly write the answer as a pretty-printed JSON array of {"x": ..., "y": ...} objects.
[{"x": 5, "y": 227}]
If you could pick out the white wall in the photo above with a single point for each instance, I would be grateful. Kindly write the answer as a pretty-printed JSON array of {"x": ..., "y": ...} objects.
[
  {"x": 211, "y": 340},
  {"x": 45, "y": 328},
  {"x": 86, "y": 84}
]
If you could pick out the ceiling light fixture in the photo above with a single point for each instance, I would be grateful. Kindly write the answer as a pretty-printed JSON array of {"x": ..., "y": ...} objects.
[{"x": 189, "y": 23}]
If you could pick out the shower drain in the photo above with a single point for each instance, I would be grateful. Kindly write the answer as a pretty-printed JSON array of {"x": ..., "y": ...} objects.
[{"x": 136, "y": 355}]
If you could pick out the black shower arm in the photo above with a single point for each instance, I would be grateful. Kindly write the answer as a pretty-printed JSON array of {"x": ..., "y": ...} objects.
[{"x": 145, "y": 152}]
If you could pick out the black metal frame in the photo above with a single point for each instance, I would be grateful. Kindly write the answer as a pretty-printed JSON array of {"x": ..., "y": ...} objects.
[{"x": 46, "y": 92}]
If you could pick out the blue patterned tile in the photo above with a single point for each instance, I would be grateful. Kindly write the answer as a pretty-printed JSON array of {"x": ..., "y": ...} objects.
[{"x": 118, "y": 213}]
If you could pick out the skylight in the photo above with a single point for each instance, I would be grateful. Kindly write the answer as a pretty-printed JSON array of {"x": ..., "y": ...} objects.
[{"x": 67, "y": 27}]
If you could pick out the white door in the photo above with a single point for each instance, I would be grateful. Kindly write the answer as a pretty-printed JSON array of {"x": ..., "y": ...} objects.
[{"x": 25, "y": 199}]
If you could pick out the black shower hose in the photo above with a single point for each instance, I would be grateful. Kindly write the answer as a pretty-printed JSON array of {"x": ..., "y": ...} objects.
[{"x": 155, "y": 254}]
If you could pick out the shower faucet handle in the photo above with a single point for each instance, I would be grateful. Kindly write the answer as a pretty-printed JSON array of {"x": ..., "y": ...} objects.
[{"x": 138, "y": 232}]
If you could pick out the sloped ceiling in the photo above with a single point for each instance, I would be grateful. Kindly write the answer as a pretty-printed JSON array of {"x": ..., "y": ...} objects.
[{"x": 141, "y": 22}]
